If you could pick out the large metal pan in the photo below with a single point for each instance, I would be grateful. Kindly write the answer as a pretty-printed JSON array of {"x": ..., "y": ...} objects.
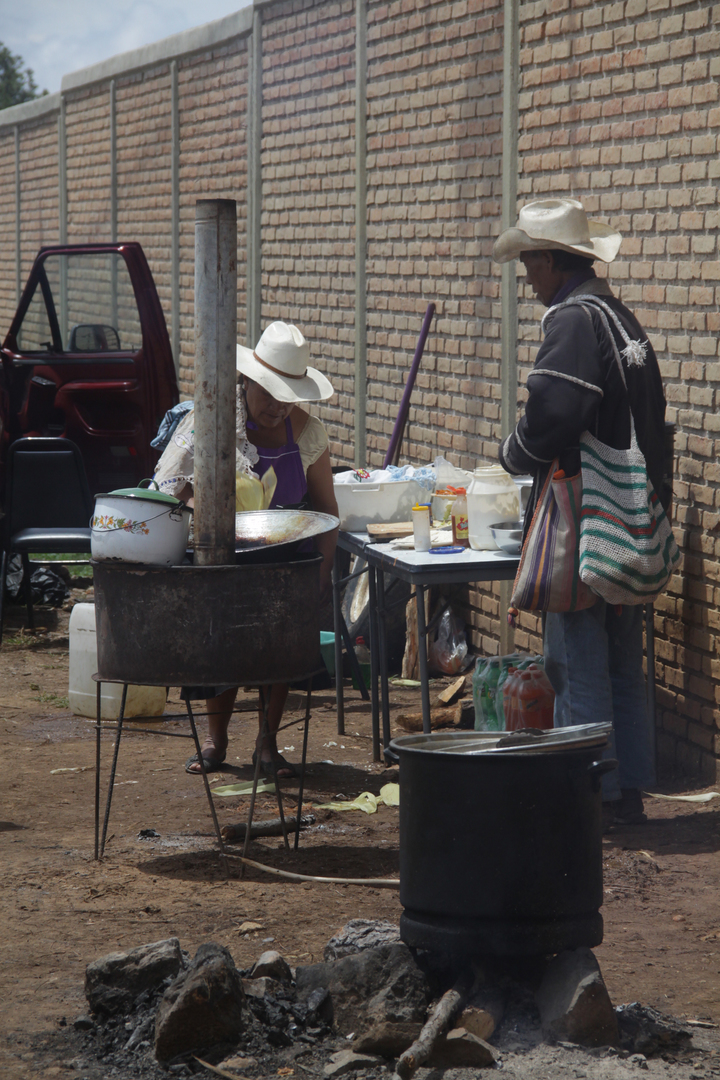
[{"x": 262, "y": 528}]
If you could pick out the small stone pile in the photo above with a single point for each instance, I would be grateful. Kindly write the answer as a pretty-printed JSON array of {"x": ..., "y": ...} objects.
[{"x": 157, "y": 1011}]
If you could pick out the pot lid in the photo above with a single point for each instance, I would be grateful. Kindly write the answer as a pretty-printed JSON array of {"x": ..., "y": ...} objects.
[
  {"x": 528, "y": 741},
  {"x": 260, "y": 528},
  {"x": 144, "y": 491}
]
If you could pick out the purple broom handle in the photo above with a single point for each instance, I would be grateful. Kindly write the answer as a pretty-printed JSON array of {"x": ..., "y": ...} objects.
[{"x": 399, "y": 429}]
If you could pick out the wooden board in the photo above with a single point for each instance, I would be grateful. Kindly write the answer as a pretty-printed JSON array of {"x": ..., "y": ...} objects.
[{"x": 390, "y": 531}]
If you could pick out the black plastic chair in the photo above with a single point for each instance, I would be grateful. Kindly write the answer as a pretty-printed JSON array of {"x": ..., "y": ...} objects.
[{"x": 48, "y": 506}]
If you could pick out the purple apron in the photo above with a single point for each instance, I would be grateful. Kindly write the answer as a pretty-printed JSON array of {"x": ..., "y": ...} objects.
[{"x": 287, "y": 463}]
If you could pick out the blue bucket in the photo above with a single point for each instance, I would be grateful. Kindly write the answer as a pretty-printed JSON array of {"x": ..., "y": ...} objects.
[{"x": 327, "y": 650}]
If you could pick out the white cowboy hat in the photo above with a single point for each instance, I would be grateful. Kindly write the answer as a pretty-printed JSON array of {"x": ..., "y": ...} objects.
[
  {"x": 557, "y": 224},
  {"x": 279, "y": 362}
]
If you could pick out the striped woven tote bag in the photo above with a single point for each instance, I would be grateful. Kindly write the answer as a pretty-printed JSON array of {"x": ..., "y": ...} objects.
[
  {"x": 627, "y": 548},
  {"x": 547, "y": 578}
]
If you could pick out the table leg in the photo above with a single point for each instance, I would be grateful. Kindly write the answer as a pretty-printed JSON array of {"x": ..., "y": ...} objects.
[
  {"x": 337, "y": 616},
  {"x": 382, "y": 649},
  {"x": 118, "y": 734},
  {"x": 422, "y": 657},
  {"x": 98, "y": 729},
  {"x": 375, "y": 710}
]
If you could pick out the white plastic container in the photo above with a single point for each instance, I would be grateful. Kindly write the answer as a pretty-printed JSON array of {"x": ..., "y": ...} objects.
[
  {"x": 491, "y": 497},
  {"x": 360, "y": 505},
  {"x": 141, "y": 700}
]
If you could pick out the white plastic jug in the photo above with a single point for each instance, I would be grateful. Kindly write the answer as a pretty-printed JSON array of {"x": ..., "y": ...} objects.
[
  {"x": 141, "y": 700},
  {"x": 491, "y": 497}
]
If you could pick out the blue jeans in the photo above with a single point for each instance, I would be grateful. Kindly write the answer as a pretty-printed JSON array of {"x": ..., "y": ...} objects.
[{"x": 593, "y": 659}]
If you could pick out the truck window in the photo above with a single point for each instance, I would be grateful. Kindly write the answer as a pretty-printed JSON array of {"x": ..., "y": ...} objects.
[{"x": 82, "y": 304}]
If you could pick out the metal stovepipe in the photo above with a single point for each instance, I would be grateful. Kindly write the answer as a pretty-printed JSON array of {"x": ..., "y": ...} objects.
[{"x": 215, "y": 378}]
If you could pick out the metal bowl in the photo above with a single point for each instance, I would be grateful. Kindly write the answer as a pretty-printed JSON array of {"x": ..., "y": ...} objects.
[
  {"x": 508, "y": 536},
  {"x": 261, "y": 528}
]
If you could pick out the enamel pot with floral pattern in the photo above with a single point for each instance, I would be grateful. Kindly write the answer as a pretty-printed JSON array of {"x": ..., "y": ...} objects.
[{"x": 140, "y": 525}]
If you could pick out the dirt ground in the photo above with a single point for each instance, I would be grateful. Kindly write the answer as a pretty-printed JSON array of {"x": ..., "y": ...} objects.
[{"x": 61, "y": 909}]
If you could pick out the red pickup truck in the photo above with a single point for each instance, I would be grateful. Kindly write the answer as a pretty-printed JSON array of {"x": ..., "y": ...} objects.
[{"x": 88, "y": 357}]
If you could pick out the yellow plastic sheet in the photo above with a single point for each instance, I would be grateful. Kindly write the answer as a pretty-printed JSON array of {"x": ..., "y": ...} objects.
[
  {"x": 366, "y": 801},
  {"x": 244, "y": 788}
]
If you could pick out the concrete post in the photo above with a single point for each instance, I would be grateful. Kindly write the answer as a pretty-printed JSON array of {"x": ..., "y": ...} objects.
[
  {"x": 175, "y": 215},
  {"x": 18, "y": 252},
  {"x": 215, "y": 380},
  {"x": 360, "y": 234},
  {"x": 508, "y": 288},
  {"x": 63, "y": 214},
  {"x": 254, "y": 211},
  {"x": 113, "y": 203}
]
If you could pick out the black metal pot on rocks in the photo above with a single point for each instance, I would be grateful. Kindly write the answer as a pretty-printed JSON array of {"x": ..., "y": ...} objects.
[{"x": 501, "y": 840}]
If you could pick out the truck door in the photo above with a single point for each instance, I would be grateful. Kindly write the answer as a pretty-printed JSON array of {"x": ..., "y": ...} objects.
[{"x": 88, "y": 358}]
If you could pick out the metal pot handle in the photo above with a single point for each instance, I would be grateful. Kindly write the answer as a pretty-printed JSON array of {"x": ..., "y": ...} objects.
[
  {"x": 597, "y": 769},
  {"x": 391, "y": 756}
]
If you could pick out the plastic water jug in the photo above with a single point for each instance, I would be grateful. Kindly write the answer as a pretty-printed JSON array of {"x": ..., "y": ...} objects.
[
  {"x": 491, "y": 497},
  {"x": 528, "y": 699},
  {"x": 141, "y": 700}
]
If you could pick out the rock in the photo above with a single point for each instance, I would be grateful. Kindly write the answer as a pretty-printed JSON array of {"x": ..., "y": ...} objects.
[
  {"x": 348, "y": 1061},
  {"x": 258, "y": 988},
  {"x": 272, "y": 965},
  {"x": 644, "y": 1030},
  {"x": 372, "y": 987},
  {"x": 387, "y": 1038},
  {"x": 114, "y": 981},
  {"x": 359, "y": 934},
  {"x": 574, "y": 1003},
  {"x": 204, "y": 1007},
  {"x": 460, "y": 1049},
  {"x": 84, "y": 1023}
]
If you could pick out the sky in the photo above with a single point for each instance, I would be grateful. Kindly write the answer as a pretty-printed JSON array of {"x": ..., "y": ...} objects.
[{"x": 56, "y": 37}]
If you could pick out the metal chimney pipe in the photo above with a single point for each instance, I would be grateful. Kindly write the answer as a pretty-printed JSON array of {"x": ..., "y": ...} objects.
[{"x": 215, "y": 379}]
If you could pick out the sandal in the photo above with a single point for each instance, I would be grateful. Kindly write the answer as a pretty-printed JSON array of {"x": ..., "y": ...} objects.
[
  {"x": 212, "y": 764},
  {"x": 283, "y": 769}
]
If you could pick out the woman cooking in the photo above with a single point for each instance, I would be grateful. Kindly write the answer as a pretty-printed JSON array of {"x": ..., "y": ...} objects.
[{"x": 272, "y": 430}]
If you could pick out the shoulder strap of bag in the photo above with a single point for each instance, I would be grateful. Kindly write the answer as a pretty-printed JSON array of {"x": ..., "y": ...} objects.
[{"x": 635, "y": 351}]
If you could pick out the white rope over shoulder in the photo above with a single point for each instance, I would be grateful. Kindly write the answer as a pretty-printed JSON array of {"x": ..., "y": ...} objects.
[{"x": 635, "y": 351}]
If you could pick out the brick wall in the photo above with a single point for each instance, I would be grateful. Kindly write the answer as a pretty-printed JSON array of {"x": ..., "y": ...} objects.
[
  {"x": 308, "y": 221},
  {"x": 40, "y": 199},
  {"x": 618, "y": 106},
  {"x": 213, "y": 165}
]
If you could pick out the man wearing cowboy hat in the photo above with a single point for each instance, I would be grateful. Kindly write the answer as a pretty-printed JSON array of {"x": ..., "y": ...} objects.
[{"x": 592, "y": 657}]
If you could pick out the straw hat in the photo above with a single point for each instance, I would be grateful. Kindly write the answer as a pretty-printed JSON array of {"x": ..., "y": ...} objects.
[
  {"x": 279, "y": 363},
  {"x": 557, "y": 224}
]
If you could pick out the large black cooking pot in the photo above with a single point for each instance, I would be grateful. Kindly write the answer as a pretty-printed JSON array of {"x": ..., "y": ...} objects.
[
  {"x": 501, "y": 840},
  {"x": 208, "y": 625}
]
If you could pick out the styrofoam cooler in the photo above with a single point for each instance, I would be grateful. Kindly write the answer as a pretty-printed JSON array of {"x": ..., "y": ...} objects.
[
  {"x": 141, "y": 700},
  {"x": 360, "y": 505}
]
